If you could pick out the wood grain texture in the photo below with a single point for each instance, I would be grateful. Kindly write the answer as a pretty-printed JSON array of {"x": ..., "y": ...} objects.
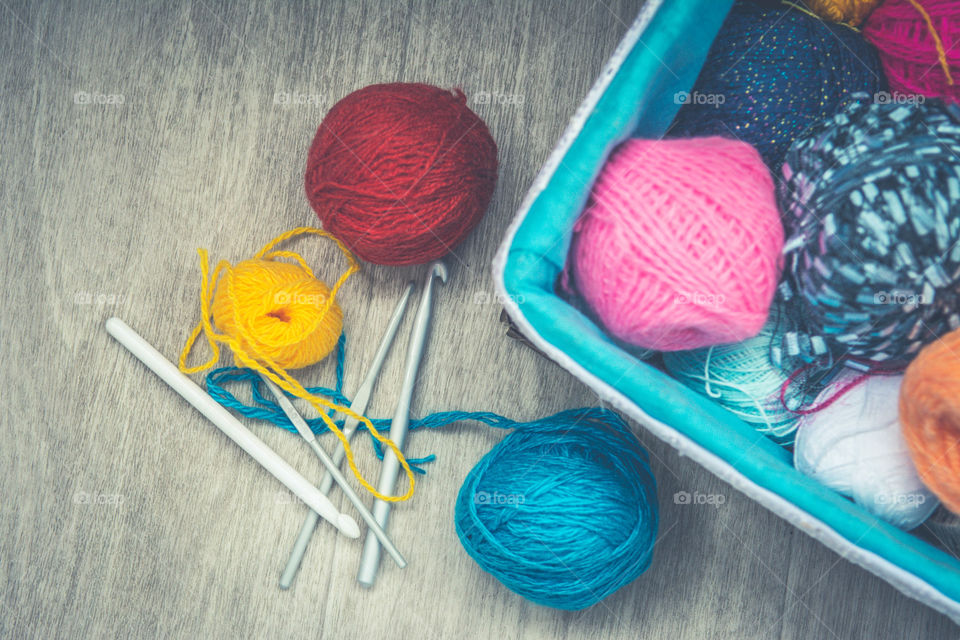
[{"x": 103, "y": 208}]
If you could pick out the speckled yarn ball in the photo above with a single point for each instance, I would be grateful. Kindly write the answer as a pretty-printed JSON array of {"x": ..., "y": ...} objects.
[
  {"x": 871, "y": 199},
  {"x": 771, "y": 73}
]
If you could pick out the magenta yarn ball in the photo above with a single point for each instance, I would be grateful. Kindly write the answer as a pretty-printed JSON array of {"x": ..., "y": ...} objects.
[
  {"x": 919, "y": 45},
  {"x": 680, "y": 244}
]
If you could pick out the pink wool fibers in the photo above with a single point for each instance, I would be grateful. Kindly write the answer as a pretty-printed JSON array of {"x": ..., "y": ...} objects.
[{"x": 679, "y": 247}]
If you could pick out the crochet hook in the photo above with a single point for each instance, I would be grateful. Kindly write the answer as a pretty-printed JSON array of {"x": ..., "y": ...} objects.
[
  {"x": 232, "y": 427},
  {"x": 359, "y": 406},
  {"x": 333, "y": 469},
  {"x": 370, "y": 560}
]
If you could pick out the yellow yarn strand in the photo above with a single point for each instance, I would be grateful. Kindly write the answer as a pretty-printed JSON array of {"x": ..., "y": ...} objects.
[
  {"x": 206, "y": 291},
  {"x": 266, "y": 365},
  {"x": 941, "y": 52}
]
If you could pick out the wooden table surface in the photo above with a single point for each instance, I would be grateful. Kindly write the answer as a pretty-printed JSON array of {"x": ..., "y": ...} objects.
[{"x": 133, "y": 133}]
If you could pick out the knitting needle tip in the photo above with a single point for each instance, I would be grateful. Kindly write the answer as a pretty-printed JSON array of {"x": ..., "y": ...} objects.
[
  {"x": 438, "y": 270},
  {"x": 348, "y": 526}
]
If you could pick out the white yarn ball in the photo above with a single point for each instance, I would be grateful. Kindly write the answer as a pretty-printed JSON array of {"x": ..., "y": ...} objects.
[{"x": 855, "y": 446}]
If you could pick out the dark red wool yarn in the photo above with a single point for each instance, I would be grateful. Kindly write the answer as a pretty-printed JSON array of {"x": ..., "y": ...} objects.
[{"x": 401, "y": 172}]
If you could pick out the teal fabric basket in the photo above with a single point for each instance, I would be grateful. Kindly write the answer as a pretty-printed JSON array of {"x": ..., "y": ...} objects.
[{"x": 636, "y": 95}]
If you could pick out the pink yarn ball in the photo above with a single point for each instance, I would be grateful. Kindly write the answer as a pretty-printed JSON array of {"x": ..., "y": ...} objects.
[
  {"x": 679, "y": 246},
  {"x": 909, "y": 48}
]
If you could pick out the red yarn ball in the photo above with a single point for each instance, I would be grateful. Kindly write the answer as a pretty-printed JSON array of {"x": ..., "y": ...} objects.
[{"x": 401, "y": 172}]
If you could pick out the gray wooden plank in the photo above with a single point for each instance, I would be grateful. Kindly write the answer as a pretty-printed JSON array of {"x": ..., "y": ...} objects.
[{"x": 104, "y": 206}]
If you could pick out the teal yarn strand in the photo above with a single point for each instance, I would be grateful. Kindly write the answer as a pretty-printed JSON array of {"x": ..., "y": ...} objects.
[
  {"x": 742, "y": 378},
  {"x": 265, "y": 408},
  {"x": 563, "y": 511}
]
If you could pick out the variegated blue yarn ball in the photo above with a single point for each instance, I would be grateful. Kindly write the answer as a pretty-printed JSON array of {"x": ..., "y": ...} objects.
[
  {"x": 772, "y": 72},
  {"x": 870, "y": 200}
]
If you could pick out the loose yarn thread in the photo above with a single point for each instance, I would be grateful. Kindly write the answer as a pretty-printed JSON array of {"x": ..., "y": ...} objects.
[
  {"x": 275, "y": 315},
  {"x": 265, "y": 408}
]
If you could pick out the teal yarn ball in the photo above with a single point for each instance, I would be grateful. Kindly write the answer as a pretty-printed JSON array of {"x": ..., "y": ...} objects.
[
  {"x": 563, "y": 511},
  {"x": 743, "y": 379}
]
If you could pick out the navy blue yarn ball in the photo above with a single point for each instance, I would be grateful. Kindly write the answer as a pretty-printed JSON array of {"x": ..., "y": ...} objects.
[
  {"x": 771, "y": 73},
  {"x": 871, "y": 203},
  {"x": 563, "y": 511}
]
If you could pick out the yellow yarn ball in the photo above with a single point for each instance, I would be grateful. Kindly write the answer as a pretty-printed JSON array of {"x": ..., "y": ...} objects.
[
  {"x": 276, "y": 315},
  {"x": 851, "y": 12},
  {"x": 277, "y": 311}
]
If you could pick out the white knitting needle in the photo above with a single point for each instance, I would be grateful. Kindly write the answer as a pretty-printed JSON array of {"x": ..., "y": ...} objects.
[
  {"x": 359, "y": 406},
  {"x": 370, "y": 560},
  {"x": 333, "y": 469},
  {"x": 232, "y": 427}
]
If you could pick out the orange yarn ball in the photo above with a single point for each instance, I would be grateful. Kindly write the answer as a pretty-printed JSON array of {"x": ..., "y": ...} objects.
[
  {"x": 930, "y": 417},
  {"x": 278, "y": 311},
  {"x": 852, "y": 12}
]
